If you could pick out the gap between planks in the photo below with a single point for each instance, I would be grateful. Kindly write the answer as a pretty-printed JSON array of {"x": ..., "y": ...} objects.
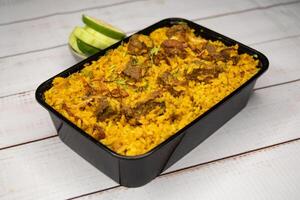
[
  {"x": 196, "y": 19},
  {"x": 246, "y": 153}
]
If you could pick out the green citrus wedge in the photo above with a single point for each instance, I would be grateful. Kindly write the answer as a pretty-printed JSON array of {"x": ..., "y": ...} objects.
[{"x": 103, "y": 27}]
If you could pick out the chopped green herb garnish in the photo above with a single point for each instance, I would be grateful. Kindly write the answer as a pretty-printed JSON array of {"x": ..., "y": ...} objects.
[
  {"x": 134, "y": 61},
  {"x": 154, "y": 51},
  {"x": 121, "y": 81}
]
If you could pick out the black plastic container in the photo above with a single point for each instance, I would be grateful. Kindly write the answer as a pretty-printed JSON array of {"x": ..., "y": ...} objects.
[{"x": 138, "y": 170}]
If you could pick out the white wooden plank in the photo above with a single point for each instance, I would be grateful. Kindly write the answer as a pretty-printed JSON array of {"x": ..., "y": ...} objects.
[
  {"x": 47, "y": 170},
  {"x": 31, "y": 69},
  {"x": 268, "y": 174},
  {"x": 50, "y": 170},
  {"x": 284, "y": 61},
  {"x": 43, "y": 33},
  {"x": 30, "y": 9},
  {"x": 260, "y": 25},
  {"x": 23, "y": 120},
  {"x": 26, "y": 72}
]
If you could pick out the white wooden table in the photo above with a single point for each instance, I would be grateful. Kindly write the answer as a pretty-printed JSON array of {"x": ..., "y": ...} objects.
[{"x": 254, "y": 156}]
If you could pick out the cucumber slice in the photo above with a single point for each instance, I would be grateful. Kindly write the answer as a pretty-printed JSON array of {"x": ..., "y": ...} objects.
[
  {"x": 103, "y": 27},
  {"x": 73, "y": 43},
  {"x": 107, "y": 40},
  {"x": 86, "y": 49},
  {"x": 88, "y": 38}
]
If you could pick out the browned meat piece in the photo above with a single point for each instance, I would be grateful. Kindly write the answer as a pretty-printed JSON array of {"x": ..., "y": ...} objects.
[
  {"x": 135, "y": 71},
  {"x": 224, "y": 55},
  {"x": 235, "y": 59},
  {"x": 167, "y": 80},
  {"x": 179, "y": 32},
  {"x": 210, "y": 48},
  {"x": 145, "y": 108},
  {"x": 118, "y": 93},
  {"x": 142, "y": 108},
  {"x": 160, "y": 57},
  {"x": 174, "y": 47},
  {"x": 155, "y": 95},
  {"x": 104, "y": 110},
  {"x": 136, "y": 47},
  {"x": 206, "y": 73},
  {"x": 133, "y": 114},
  {"x": 127, "y": 111},
  {"x": 98, "y": 132},
  {"x": 103, "y": 104},
  {"x": 174, "y": 92}
]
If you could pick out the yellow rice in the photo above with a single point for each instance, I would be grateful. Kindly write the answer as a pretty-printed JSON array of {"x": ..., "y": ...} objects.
[{"x": 69, "y": 95}]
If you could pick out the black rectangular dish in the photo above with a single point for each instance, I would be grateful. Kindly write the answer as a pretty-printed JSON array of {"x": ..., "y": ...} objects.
[{"x": 135, "y": 171}]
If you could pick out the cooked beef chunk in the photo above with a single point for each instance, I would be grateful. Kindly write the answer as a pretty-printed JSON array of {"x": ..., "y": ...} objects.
[
  {"x": 174, "y": 92},
  {"x": 168, "y": 81},
  {"x": 104, "y": 110},
  {"x": 134, "y": 70},
  {"x": 136, "y": 46},
  {"x": 206, "y": 73},
  {"x": 174, "y": 47},
  {"x": 224, "y": 55},
  {"x": 144, "y": 108},
  {"x": 98, "y": 132},
  {"x": 178, "y": 31},
  {"x": 160, "y": 56},
  {"x": 210, "y": 48}
]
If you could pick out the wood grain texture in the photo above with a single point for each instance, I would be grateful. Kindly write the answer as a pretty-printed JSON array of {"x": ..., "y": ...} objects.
[
  {"x": 284, "y": 61},
  {"x": 23, "y": 120},
  {"x": 31, "y": 10},
  {"x": 267, "y": 174},
  {"x": 34, "y": 9},
  {"x": 54, "y": 30},
  {"x": 47, "y": 170},
  {"x": 59, "y": 173},
  {"x": 29, "y": 70}
]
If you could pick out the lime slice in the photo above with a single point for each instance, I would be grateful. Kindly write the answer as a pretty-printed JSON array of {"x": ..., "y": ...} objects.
[
  {"x": 100, "y": 41},
  {"x": 86, "y": 48},
  {"x": 73, "y": 43},
  {"x": 106, "y": 40},
  {"x": 103, "y": 27}
]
